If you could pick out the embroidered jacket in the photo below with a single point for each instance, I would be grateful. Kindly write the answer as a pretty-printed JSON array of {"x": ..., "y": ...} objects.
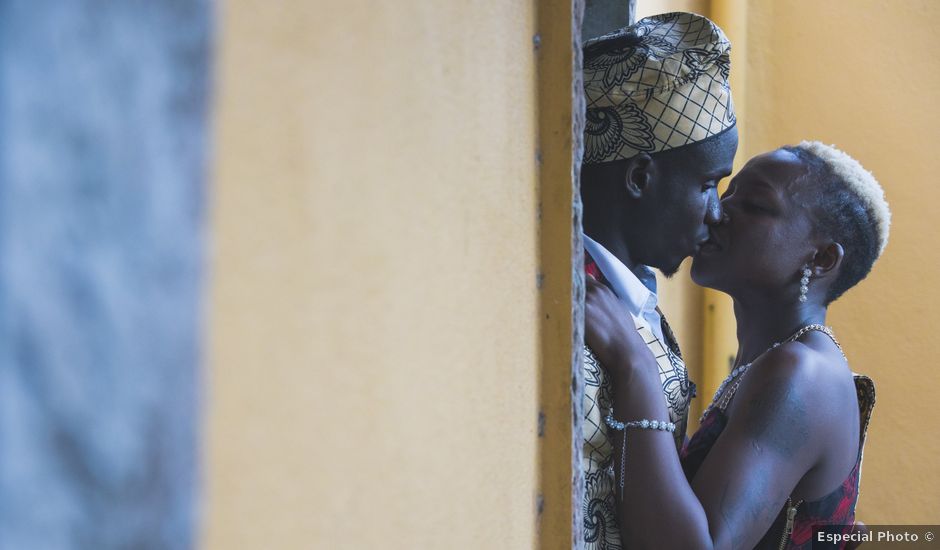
[{"x": 601, "y": 531}]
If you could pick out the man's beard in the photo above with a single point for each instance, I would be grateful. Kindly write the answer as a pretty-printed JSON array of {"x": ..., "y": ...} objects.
[{"x": 668, "y": 273}]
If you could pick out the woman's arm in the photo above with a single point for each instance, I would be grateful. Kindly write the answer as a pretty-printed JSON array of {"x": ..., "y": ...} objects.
[{"x": 768, "y": 445}]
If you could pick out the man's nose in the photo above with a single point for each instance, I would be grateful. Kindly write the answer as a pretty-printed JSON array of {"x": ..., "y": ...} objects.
[{"x": 713, "y": 211}]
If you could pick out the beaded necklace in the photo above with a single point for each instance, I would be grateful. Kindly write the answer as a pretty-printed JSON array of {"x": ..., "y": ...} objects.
[{"x": 738, "y": 373}]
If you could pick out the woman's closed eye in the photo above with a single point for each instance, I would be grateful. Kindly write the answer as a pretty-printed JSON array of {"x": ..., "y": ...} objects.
[
  {"x": 744, "y": 203},
  {"x": 755, "y": 207}
]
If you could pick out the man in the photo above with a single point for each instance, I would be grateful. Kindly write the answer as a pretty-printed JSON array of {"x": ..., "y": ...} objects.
[{"x": 660, "y": 135}]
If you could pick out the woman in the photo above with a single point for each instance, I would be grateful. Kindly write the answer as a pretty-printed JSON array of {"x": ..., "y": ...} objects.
[{"x": 779, "y": 448}]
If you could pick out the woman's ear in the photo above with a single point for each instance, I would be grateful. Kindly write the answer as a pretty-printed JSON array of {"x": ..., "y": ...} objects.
[
  {"x": 828, "y": 259},
  {"x": 638, "y": 175}
]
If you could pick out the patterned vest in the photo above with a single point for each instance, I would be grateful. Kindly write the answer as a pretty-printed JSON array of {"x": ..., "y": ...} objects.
[{"x": 601, "y": 531}]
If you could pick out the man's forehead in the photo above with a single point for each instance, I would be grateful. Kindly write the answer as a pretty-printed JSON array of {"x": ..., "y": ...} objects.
[{"x": 714, "y": 157}]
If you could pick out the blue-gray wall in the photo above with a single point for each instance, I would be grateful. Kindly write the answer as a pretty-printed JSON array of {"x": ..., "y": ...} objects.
[
  {"x": 103, "y": 149},
  {"x": 604, "y": 16}
]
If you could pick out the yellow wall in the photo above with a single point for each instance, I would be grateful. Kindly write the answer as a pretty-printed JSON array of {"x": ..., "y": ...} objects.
[
  {"x": 645, "y": 8},
  {"x": 865, "y": 75},
  {"x": 374, "y": 351},
  {"x": 562, "y": 284}
]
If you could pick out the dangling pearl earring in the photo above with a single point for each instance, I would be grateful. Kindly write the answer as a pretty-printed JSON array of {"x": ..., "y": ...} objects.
[{"x": 804, "y": 283}]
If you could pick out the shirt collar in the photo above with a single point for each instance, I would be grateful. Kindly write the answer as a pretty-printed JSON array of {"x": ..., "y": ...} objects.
[{"x": 637, "y": 296}]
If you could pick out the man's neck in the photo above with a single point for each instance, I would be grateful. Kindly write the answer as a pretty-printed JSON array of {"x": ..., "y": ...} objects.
[{"x": 615, "y": 243}]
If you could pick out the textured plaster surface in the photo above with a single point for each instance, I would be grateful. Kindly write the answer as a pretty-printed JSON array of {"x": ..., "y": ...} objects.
[
  {"x": 577, "y": 278},
  {"x": 102, "y": 143}
]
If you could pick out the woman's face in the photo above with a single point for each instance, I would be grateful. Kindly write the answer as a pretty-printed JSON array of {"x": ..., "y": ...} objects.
[{"x": 766, "y": 238}]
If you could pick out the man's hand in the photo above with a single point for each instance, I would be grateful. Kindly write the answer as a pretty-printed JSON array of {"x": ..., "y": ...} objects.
[{"x": 610, "y": 332}]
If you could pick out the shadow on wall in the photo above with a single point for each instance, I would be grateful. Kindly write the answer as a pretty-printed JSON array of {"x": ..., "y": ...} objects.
[{"x": 102, "y": 159}]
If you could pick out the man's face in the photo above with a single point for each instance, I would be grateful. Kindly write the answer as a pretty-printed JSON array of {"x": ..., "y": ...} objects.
[{"x": 683, "y": 200}]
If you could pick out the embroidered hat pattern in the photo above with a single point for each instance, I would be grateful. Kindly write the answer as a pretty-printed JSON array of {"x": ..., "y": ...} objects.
[{"x": 656, "y": 85}]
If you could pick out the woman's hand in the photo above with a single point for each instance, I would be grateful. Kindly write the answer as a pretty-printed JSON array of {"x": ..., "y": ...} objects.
[{"x": 610, "y": 332}]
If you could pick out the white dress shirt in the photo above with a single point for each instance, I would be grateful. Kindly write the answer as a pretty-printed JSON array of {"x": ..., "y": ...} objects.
[{"x": 640, "y": 300}]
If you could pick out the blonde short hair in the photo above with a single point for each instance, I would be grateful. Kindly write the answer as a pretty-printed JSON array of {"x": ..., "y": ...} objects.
[
  {"x": 851, "y": 208},
  {"x": 859, "y": 181}
]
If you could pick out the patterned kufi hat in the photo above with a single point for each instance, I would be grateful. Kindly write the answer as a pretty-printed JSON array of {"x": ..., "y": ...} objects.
[{"x": 658, "y": 84}]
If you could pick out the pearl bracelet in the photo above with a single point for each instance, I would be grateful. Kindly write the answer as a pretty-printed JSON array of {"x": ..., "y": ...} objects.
[{"x": 644, "y": 424}]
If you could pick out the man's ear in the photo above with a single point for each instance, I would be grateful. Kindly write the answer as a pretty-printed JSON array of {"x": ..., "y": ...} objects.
[
  {"x": 828, "y": 260},
  {"x": 638, "y": 175}
]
